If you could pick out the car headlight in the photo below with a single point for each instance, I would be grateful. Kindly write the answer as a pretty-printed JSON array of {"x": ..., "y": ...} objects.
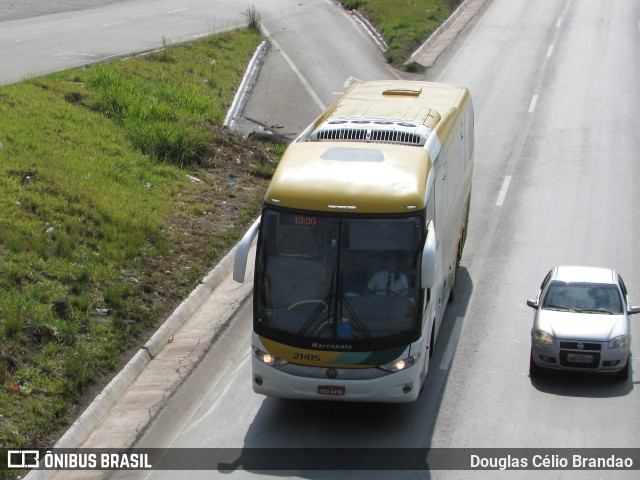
[
  {"x": 401, "y": 364},
  {"x": 268, "y": 359},
  {"x": 543, "y": 338},
  {"x": 618, "y": 342}
]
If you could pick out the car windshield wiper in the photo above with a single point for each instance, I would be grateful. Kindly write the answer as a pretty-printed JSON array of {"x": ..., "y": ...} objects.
[
  {"x": 560, "y": 308},
  {"x": 595, "y": 310}
]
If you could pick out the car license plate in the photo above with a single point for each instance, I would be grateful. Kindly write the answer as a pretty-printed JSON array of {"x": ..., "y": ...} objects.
[
  {"x": 331, "y": 390},
  {"x": 579, "y": 358}
]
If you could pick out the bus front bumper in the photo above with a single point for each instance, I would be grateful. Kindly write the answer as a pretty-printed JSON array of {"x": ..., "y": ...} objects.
[{"x": 399, "y": 387}]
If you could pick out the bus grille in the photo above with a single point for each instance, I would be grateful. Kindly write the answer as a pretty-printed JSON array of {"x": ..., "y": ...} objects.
[
  {"x": 395, "y": 136},
  {"x": 363, "y": 135},
  {"x": 342, "y": 134}
]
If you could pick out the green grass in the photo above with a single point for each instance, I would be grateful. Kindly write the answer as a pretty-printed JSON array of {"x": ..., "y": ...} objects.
[
  {"x": 101, "y": 231},
  {"x": 404, "y": 24}
]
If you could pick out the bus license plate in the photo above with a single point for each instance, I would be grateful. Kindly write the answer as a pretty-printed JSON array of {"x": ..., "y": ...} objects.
[
  {"x": 579, "y": 358},
  {"x": 330, "y": 390}
]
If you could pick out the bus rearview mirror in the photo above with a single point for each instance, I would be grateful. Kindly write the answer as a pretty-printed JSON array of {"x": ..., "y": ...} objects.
[
  {"x": 428, "y": 273},
  {"x": 242, "y": 252}
]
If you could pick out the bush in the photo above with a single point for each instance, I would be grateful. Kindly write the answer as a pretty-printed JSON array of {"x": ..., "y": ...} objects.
[{"x": 253, "y": 19}]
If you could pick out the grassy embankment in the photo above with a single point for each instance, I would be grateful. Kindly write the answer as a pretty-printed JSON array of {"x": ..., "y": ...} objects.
[
  {"x": 404, "y": 24},
  {"x": 119, "y": 190}
]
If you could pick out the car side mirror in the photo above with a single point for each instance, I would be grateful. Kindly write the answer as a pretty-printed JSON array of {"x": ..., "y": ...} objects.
[
  {"x": 533, "y": 304},
  {"x": 633, "y": 310}
]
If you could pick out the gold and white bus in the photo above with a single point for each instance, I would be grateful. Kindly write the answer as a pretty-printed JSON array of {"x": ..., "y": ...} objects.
[{"x": 359, "y": 243}]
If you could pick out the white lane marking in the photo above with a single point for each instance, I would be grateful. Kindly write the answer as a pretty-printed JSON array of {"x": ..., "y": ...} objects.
[
  {"x": 177, "y": 10},
  {"x": 305, "y": 83},
  {"x": 550, "y": 51},
  {"x": 532, "y": 106},
  {"x": 447, "y": 358},
  {"x": 348, "y": 83},
  {"x": 503, "y": 190},
  {"x": 26, "y": 39},
  {"x": 107, "y": 25},
  {"x": 74, "y": 55},
  {"x": 559, "y": 22},
  {"x": 351, "y": 81}
]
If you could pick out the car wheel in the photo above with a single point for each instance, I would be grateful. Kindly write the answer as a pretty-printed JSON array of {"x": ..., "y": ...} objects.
[
  {"x": 534, "y": 368},
  {"x": 624, "y": 373}
]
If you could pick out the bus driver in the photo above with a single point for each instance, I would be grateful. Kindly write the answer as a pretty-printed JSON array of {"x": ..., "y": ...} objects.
[{"x": 388, "y": 281}]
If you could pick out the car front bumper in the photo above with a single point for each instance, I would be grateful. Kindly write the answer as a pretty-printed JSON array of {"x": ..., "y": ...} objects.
[{"x": 587, "y": 356}]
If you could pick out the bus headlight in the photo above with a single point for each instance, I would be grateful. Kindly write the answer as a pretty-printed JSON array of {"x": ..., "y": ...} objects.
[
  {"x": 401, "y": 364},
  {"x": 268, "y": 359}
]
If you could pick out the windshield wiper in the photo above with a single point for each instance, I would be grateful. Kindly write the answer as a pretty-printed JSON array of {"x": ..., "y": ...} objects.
[
  {"x": 560, "y": 308},
  {"x": 356, "y": 319},
  {"x": 326, "y": 303},
  {"x": 595, "y": 310}
]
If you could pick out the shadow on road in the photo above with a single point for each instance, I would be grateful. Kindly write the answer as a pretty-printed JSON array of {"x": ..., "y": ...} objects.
[
  {"x": 334, "y": 440},
  {"x": 586, "y": 385}
]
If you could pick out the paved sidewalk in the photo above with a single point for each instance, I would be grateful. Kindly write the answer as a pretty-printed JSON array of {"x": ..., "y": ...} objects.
[{"x": 429, "y": 52}]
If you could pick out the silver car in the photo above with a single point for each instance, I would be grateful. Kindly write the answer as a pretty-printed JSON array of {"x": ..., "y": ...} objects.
[{"x": 581, "y": 322}]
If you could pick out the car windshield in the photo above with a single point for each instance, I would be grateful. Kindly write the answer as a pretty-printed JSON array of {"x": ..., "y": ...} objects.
[{"x": 583, "y": 297}]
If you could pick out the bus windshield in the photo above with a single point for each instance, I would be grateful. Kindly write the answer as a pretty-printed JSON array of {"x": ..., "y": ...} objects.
[{"x": 342, "y": 280}]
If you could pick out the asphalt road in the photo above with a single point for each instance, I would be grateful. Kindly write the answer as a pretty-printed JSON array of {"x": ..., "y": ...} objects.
[
  {"x": 555, "y": 90},
  {"x": 18, "y": 9}
]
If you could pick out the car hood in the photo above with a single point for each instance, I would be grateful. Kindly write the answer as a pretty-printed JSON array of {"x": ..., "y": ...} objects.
[{"x": 581, "y": 326}]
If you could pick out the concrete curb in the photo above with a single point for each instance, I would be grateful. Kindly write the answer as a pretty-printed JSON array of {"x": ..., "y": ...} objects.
[
  {"x": 447, "y": 32},
  {"x": 95, "y": 412},
  {"x": 434, "y": 36},
  {"x": 104, "y": 402},
  {"x": 100, "y": 408},
  {"x": 246, "y": 85},
  {"x": 370, "y": 29},
  {"x": 181, "y": 314}
]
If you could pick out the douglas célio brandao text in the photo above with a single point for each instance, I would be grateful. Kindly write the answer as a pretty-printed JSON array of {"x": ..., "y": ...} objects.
[{"x": 550, "y": 462}]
